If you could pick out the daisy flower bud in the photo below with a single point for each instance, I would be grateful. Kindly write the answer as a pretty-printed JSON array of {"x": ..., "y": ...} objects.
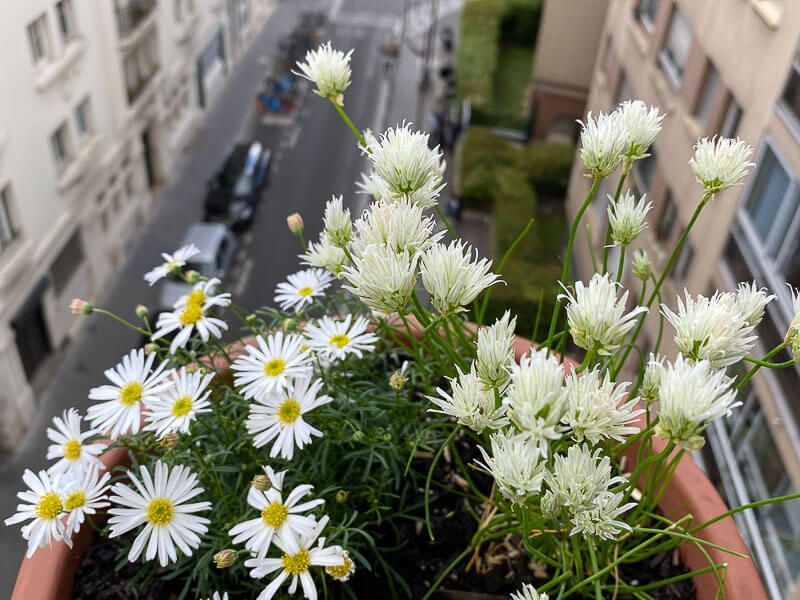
[
  {"x": 192, "y": 276},
  {"x": 752, "y": 301},
  {"x": 626, "y": 218},
  {"x": 603, "y": 141},
  {"x": 452, "y": 277},
  {"x": 515, "y": 465},
  {"x": 324, "y": 254},
  {"x": 295, "y": 223},
  {"x": 651, "y": 381},
  {"x": 381, "y": 278},
  {"x": 640, "y": 125},
  {"x": 81, "y": 307},
  {"x": 528, "y": 592},
  {"x": 642, "y": 269},
  {"x": 496, "y": 352},
  {"x": 149, "y": 348},
  {"x": 260, "y": 482},
  {"x": 342, "y": 496},
  {"x": 691, "y": 396},
  {"x": 720, "y": 163},
  {"x": 224, "y": 559},
  {"x": 329, "y": 70},
  {"x": 597, "y": 319},
  {"x": 397, "y": 381},
  {"x": 169, "y": 440},
  {"x": 141, "y": 311},
  {"x": 338, "y": 227},
  {"x": 470, "y": 403}
]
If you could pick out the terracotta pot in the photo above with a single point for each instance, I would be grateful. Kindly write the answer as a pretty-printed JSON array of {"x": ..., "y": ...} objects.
[{"x": 49, "y": 574}]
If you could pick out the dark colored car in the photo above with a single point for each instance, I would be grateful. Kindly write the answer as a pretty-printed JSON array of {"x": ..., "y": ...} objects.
[{"x": 235, "y": 190}]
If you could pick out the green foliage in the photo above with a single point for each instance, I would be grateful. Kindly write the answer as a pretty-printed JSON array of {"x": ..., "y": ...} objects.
[
  {"x": 478, "y": 51},
  {"x": 548, "y": 167},
  {"x": 521, "y": 21}
]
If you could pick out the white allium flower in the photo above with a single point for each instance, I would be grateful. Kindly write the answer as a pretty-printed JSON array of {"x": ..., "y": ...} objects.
[
  {"x": 338, "y": 226},
  {"x": 324, "y": 254},
  {"x": 160, "y": 503},
  {"x": 691, "y": 395},
  {"x": 720, "y": 163},
  {"x": 470, "y": 403},
  {"x": 84, "y": 492},
  {"x": 382, "y": 278},
  {"x": 712, "y": 329},
  {"x": 424, "y": 197},
  {"x": 626, "y": 217},
  {"x": 329, "y": 69},
  {"x": 171, "y": 261},
  {"x": 453, "y": 277},
  {"x": 278, "y": 415},
  {"x": 603, "y": 140},
  {"x": 270, "y": 366},
  {"x": 597, "y": 319},
  {"x": 300, "y": 289},
  {"x": 69, "y": 446},
  {"x": 216, "y": 596},
  {"x": 515, "y": 466},
  {"x": 651, "y": 381},
  {"x": 403, "y": 160},
  {"x": 794, "y": 326},
  {"x": 133, "y": 382},
  {"x": 496, "y": 352},
  {"x": 177, "y": 406},
  {"x": 536, "y": 398},
  {"x": 335, "y": 339},
  {"x": 752, "y": 301},
  {"x": 596, "y": 407},
  {"x": 45, "y": 506},
  {"x": 528, "y": 592},
  {"x": 640, "y": 125},
  {"x": 399, "y": 225},
  {"x": 641, "y": 267},
  {"x": 601, "y": 519},
  {"x": 279, "y": 517},
  {"x": 190, "y": 316},
  {"x": 343, "y": 572},
  {"x": 298, "y": 556}
]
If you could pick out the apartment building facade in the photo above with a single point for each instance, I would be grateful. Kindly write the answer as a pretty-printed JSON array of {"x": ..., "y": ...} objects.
[
  {"x": 100, "y": 99},
  {"x": 729, "y": 68}
]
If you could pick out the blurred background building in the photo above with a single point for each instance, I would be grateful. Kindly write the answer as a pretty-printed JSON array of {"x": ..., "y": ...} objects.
[
  {"x": 101, "y": 99},
  {"x": 729, "y": 68}
]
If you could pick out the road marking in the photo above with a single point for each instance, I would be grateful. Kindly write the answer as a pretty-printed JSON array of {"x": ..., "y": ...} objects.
[
  {"x": 277, "y": 119},
  {"x": 364, "y": 21},
  {"x": 247, "y": 269},
  {"x": 293, "y": 136}
]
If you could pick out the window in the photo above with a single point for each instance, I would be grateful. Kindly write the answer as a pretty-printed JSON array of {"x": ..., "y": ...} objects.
[
  {"x": 39, "y": 39},
  {"x": 709, "y": 91},
  {"x": 140, "y": 65},
  {"x": 790, "y": 99},
  {"x": 676, "y": 49},
  {"x": 59, "y": 141},
  {"x": 83, "y": 118},
  {"x": 666, "y": 220},
  {"x": 66, "y": 20},
  {"x": 8, "y": 230},
  {"x": 772, "y": 201},
  {"x": 644, "y": 169},
  {"x": 646, "y": 13},
  {"x": 67, "y": 263},
  {"x": 731, "y": 121}
]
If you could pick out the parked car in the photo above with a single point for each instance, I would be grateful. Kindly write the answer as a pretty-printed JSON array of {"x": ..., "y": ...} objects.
[{"x": 235, "y": 190}]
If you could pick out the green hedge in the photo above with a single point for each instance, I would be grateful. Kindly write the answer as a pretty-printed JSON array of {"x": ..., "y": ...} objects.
[
  {"x": 478, "y": 49},
  {"x": 521, "y": 21}
]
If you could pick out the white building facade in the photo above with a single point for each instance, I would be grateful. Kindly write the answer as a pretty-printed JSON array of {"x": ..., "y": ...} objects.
[{"x": 100, "y": 99}]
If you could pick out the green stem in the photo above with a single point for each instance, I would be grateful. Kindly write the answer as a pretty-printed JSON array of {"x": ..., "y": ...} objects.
[
  {"x": 436, "y": 456},
  {"x": 422, "y": 314},
  {"x": 621, "y": 263},
  {"x": 769, "y": 365},
  {"x": 446, "y": 572},
  {"x": 121, "y": 320},
  {"x": 598, "y": 593},
  {"x": 753, "y": 371},
  {"x": 352, "y": 127},
  {"x": 450, "y": 230},
  {"x": 733, "y": 511}
]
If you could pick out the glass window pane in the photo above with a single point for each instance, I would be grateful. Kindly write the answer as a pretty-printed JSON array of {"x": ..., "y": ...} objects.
[
  {"x": 679, "y": 41},
  {"x": 791, "y": 95},
  {"x": 767, "y": 193},
  {"x": 709, "y": 91}
]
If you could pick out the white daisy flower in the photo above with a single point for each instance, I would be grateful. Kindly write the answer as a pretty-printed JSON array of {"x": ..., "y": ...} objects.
[
  {"x": 640, "y": 125},
  {"x": 284, "y": 519},
  {"x": 298, "y": 556},
  {"x": 84, "y": 493},
  {"x": 399, "y": 225},
  {"x": 329, "y": 69},
  {"x": 603, "y": 140},
  {"x": 69, "y": 444},
  {"x": 45, "y": 507},
  {"x": 626, "y": 218},
  {"x": 190, "y": 316},
  {"x": 338, "y": 226},
  {"x": 382, "y": 279},
  {"x": 160, "y": 504},
  {"x": 300, "y": 289},
  {"x": 470, "y": 403},
  {"x": 133, "y": 383},
  {"x": 324, "y": 254},
  {"x": 216, "y": 596},
  {"x": 270, "y": 366},
  {"x": 177, "y": 406},
  {"x": 342, "y": 572},
  {"x": 495, "y": 357},
  {"x": 720, "y": 163},
  {"x": 597, "y": 319},
  {"x": 528, "y": 592},
  {"x": 453, "y": 277},
  {"x": 334, "y": 340},
  {"x": 515, "y": 466},
  {"x": 279, "y": 414},
  {"x": 171, "y": 262}
]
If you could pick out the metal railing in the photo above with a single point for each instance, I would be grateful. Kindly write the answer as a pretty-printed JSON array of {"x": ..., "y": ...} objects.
[{"x": 130, "y": 14}]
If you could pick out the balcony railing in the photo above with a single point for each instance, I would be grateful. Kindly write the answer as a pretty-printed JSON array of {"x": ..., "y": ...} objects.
[
  {"x": 135, "y": 88},
  {"x": 131, "y": 14}
]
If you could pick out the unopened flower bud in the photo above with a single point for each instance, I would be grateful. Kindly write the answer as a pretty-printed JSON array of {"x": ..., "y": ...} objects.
[
  {"x": 295, "y": 223},
  {"x": 81, "y": 307},
  {"x": 397, "y": 381},
  {"x": 251, "y": 318},
  {"x": 192, "y": 276},
  {"x": 170, "y": 440},
  {"x": 341, "y": 496},
  {"x": 357, "y": 436},
  {"x": 289, "y": 324},
  {"x": 641, "y": 265},
  {"x": 141, "y": 311},
  {"x": 150, "y": 348},
  {"x": 261, "y": 482},
  {"x": 224, "y": 559}
]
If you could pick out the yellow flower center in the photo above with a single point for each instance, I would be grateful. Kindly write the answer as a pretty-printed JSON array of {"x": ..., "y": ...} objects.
[
  {"x": 340, "y": 571},
  {"x": 305, "y": 291},
  {"x": 274, "y": 514},
  {"x": 159, "y": 511},
  {"x": 72, "y": 450},
  {"x": 171, "y": 265},
  {"x": 296, "y": 564},
  {"x": 191, "y": 314},
  {"x": 182, "y": 406},
  {"x": 131, "y": 393},
  {"x": 49, "y": 506},
  {"x": 289, "y": 410},
  {"x": 197, "y": 296},
  {"x": 275, "y": 367},
  {"x": 75, "y": 500},
  {"x": 340, "y": 340}
]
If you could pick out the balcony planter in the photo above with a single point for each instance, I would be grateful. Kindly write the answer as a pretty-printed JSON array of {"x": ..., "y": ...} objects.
[{"x": 49, "y": 574}]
